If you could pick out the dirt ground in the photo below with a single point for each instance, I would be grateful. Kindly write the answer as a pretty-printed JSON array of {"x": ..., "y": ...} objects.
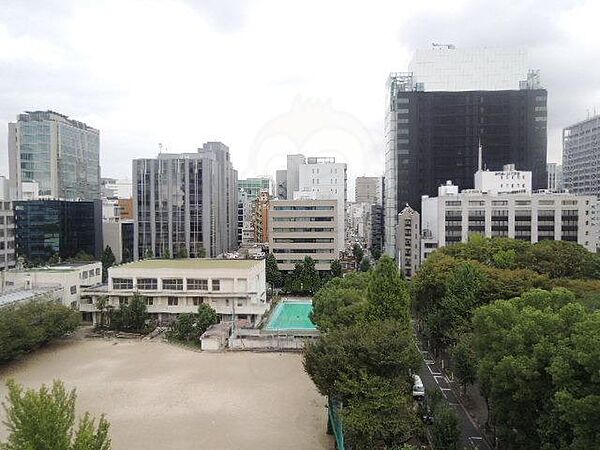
[{"x": 158, "y": 396}]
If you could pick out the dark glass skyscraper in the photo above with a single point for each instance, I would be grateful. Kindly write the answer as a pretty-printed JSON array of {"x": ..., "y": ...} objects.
[
  {"x": 437, "y": 116},
  {"x": 48, "y": 227}
]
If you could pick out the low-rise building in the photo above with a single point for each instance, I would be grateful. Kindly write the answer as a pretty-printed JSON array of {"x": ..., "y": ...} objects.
[
  {"x": 233, "y": 288},
  {"x": 18, "y": 297},
  {"x": 71, "y": 278},
  {"x": 301, "y": 228}
]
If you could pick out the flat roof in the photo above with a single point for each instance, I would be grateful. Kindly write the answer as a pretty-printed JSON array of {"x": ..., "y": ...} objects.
[
  {"x": 69, "y": 267},
  {"x": 19, "y": 295},
  {"x": 190, "y": 263}
]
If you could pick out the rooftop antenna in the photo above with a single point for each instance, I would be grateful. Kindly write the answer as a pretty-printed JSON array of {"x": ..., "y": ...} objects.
[{"x": 160, "y": 146}]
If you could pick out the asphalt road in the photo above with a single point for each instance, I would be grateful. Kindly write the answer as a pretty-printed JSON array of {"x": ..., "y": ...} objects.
[{"x": 433, "y": 378}]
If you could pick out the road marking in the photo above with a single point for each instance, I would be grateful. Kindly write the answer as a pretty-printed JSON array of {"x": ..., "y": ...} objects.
[
  {"x": 429, "y": 361},
  {"x": 432, "y": 372},
  {"x": 445, "y": 389}
]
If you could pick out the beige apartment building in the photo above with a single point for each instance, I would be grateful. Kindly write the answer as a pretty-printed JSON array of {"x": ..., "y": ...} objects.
[
  {"x": 301, "y": 228},
  {"x": 233, "y": 288}
]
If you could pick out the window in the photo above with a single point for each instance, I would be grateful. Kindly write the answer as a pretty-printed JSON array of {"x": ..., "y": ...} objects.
[
  {"x": 240, "y": 302},
  {"x": 172, "y": 301},
  {"x": 73, "y": 289},
  {"x": 122, "y": 283},
  {"x": 98, "y": 271},
  {"x": 149, "y": 301},
  {"x": 197, "y": 301},
  {"x": 197, "y": 284},
  {"x": 84, "y": 275},
  {"x": 91, "y": 272},
  {"x": 216, "y": 285},
  {"x": 147, "y": 284},
  {"x": 173, "y": 284}
]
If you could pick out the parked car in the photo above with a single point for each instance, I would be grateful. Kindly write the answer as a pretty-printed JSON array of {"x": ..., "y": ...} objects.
[{"x": 418, "y": 390}]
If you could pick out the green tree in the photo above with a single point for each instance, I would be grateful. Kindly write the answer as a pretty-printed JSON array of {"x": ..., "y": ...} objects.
[
  {"x": 26, "y": 327},
  {"x": 365, "y": 264},
  {"x": 358, "y": 253},
  {"x": 388, "y": 292},
  {"x": 273, "y": 274},
  {"x": 379, "y": 413},
  {"x": 336, "y": 268},
  {"x": 446, "y": 428},
  {"x": 131, "y": 316},
  {"x": 82, "y": 256},
  {"x": 108, "y": 260},
  {"x": 102, "y": 304},
  {"x": 561, "y": 259},
  {"x": 375, "y": 253},
  {"x": 148, "y": 253},
  {"x": 341, "y": 302},
  {"x": 310, "y": 281},
  {"x": 201, "y": 253},
  {"x": 54, "y": 259},
  {"x": 206, "y": 317},
  {"x": 465, "y": 362},
  {"x": 166, "y": 254},
  {"x": 45, "y": 419},
  {"x": 385, "y": 349}
]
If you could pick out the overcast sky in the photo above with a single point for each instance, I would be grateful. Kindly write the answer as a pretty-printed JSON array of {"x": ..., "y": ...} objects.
[{"x": 267, "y": 78}]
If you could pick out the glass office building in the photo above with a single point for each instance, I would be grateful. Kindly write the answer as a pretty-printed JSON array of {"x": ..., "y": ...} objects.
[
  {"x": 185, "y": 204},
  {"x": 47, "y": 227},
  {"x": 254, "y": 186},
  {"x": 60, "y": 154}
]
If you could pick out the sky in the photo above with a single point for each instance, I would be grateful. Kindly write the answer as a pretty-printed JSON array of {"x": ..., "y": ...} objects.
[{"x": 267, "y": 78}]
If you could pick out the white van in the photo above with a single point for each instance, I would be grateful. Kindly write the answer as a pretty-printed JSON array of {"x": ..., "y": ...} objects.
[{"x": 418, "y": 390}]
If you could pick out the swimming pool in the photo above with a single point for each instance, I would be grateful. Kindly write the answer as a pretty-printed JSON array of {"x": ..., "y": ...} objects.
[{"x": 291, "y": 315}]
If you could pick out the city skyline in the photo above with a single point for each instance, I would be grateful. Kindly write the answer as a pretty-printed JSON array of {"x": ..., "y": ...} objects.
[{"x": 163, "y": 95}]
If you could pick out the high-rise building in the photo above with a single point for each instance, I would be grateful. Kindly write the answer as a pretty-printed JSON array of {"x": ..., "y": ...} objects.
[
  {"x": 581, "y": 157},
  {"x": 185, "y": 203},
  {"x": 301, "y": 228},
  {"x": 555, "y": 176},
  {"x": 254, "y": 186},
  {"x": 245, "y": 227},
  {"x": 293, "y": 174},
  {"x": 369, "y": 190},
  {"x": 7, "y": 227},
  {"x": 60, "y": 154},
  {"x": 65, "y": 228},
  {"x": 434, "y": 124}
]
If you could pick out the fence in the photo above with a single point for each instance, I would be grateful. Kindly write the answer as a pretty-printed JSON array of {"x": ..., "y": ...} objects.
[{"x": 334, "y": 424}]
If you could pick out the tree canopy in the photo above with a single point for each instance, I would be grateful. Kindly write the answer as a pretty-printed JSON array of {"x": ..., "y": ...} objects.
[{"x": 45, "y": 419}]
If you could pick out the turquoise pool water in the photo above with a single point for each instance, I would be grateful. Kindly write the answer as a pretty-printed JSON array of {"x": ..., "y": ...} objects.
[{"x": 291, "y": 315}]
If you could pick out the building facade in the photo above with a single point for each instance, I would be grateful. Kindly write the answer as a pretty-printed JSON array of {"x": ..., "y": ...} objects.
[
  {"x": 48, "y": 227},
  {"x": 254, "y": 186},
  {"x": 369, "y": 190},
  {"x": 555, "y": 177},
  {"x": 301, "y": 228},
  {"x": 118, "y": 235},
  {"x": 233, "y": 288},
  {"x": 60, "y": 154},
  {"x": 245, "y": 222},
  {"x": 452, "y": 217},
  {"x": 7, "y": 227},
  {"x": 69, "y": 278},
  {"x": 581, "y": 157},
  {"x": 281, "y": 184},
  {"x": 432, "y": 136},
  {"x": 408, "y": 241},
  {"x": 185, "y": 203}
]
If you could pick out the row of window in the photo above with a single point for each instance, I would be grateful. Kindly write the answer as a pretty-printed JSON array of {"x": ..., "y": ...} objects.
[
  {"x": 171, "y": 284},
  {"x": 517, "y": 202},
  {"x": 177, "y": 301}
]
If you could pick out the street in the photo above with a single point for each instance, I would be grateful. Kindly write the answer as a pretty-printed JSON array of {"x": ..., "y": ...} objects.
[{"x": 433, "y": 378}]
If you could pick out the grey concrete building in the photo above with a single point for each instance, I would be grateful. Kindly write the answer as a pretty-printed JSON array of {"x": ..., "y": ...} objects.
[
  {"x": 581, "y": 157},
  {"x": 184, "y": 203},
  {"x": 369, "y": 190},
  {"x": 555, "y": 177},
  {"x": 60, "y": 154},
  {"x": 293, "y": 174},
  {"x": 301, "y": 228},
  {"x": 281, "y": 184}
]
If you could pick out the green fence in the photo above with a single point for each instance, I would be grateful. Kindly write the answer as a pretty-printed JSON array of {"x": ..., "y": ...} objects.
[{"x": 334, "y": 424}]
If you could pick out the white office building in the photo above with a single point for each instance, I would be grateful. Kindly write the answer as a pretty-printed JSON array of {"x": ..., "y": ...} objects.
[
  {"x": 581, "y": 157},
  {"x": 520, "y": 214},
  {"x": 555, "y": 177},
  {"x": 301, "y": 228},
  {"x": 233, "y": 288}
]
